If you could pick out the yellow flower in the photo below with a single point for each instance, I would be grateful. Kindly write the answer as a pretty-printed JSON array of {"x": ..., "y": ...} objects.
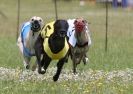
[{"x": 99, "y": 84}]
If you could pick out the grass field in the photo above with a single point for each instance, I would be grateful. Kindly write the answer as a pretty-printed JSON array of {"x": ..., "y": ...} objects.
[{"x": 108, "y": 72}]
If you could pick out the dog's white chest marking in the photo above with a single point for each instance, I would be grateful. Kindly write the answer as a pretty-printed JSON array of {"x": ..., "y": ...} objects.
[{"x": 30, "y": 41}]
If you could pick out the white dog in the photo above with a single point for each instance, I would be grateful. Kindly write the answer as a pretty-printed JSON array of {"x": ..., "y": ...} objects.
[{"x": 26, "y": 40}]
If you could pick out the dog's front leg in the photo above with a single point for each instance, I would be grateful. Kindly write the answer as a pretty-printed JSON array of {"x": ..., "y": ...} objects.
[
  {"x": 46, "y": 61},
  {"x": 34, "y": 67},
  {"x": 38, "y": 56},
  {"x": 40, "y": 63},
  {"x": 38, "y": 52},
  {"x": 74, "y": 60},
  {"x": 74, "y": 64},
  {"x": 59, "y": 68},
  {"x": 26, "y": 62},
  {"x": 85, "y": 59}
]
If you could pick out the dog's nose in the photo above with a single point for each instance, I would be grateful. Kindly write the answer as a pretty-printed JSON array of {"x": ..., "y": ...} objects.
[
  {"x": 35, "y": 26},
  {"x": 62, "y": 33},
  {"x": 36, "y": 22}
]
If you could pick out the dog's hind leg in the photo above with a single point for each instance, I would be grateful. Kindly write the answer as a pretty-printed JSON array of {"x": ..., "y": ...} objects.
[{"x": 59, "y": 68}]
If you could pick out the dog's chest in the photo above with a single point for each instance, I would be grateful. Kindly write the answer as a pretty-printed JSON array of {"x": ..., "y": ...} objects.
[
  {"x": 30, "y": 41},
  {"x": 79, "y": 50}
]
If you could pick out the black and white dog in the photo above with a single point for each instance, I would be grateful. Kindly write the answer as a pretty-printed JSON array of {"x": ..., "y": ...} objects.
[
  {"x": 52, "y": 44},
  {"x": 26, "y": 40}
]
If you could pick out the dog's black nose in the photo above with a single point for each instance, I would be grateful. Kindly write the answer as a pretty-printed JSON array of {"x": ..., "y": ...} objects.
[
  {"x": 36, "y": 22},
  {"x": 62, "y": 33},
  {"x": 35, "y": 26}
]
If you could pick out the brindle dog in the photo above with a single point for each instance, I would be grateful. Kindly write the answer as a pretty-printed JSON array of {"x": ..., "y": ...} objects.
[{"x": 82, "y": 42}]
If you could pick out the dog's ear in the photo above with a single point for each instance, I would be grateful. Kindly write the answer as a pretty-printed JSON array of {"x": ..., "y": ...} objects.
[
  {"x": 87, "y": 22},
  {"x": 66, "y": 25},
  {"x": 57, "y": 24},
  {"x": 41, "y": 22}
]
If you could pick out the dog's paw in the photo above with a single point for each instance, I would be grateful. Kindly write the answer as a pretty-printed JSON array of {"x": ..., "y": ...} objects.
[
  {"x": 27, "y": 66},
  {"x": 55, "y": 78},
  {"x": 41, "y": 71},
  {"x": 85, "y": 60}
]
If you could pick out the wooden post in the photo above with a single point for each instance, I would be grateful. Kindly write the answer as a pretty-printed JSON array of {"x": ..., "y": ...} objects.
[
  {"x": 18, "y": 19},
  {"x": 106, "y": 35},
  {"x": 56, "y": 13}
]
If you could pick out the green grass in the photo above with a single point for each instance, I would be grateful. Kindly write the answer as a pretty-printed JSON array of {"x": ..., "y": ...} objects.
[
  {"x": 65, "y": 87},
  {"x": 118, "y": 56}
]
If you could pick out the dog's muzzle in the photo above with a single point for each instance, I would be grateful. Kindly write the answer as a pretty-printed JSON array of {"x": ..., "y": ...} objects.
[
  {"x": 62, "y": 33},
  {"x": 35, "y": 26}
]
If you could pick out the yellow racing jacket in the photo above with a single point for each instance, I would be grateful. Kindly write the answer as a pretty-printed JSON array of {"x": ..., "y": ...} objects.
[{"x": 46, "y": 32}]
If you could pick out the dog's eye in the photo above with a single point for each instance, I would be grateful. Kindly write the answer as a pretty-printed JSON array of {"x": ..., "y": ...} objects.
[
  {"x": 75, "y": 21},
  {"x": 83, "y": 21},
  {"x": 40, "y": 20},
  {"x": 32, "y": 19}
]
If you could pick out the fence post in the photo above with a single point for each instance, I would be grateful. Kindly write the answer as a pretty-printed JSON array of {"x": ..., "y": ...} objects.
[
  {"x": 106, "y": 35},
  {"x": 56, "y": 13},
  {"x": 18, "y": 19}
]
